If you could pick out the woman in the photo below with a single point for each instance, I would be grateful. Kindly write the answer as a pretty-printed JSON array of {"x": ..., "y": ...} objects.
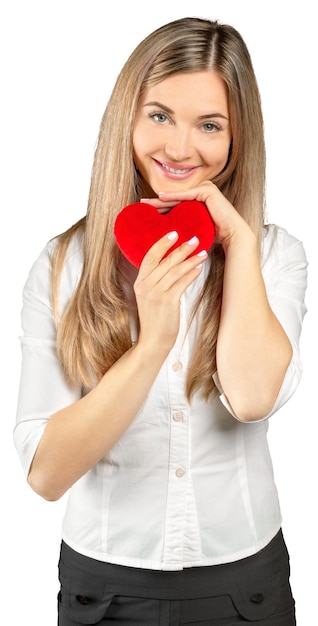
[{"x": 146, "y": 392}]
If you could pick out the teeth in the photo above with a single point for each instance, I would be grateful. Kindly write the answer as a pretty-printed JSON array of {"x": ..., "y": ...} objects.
[{"x": 173, "y": 171}]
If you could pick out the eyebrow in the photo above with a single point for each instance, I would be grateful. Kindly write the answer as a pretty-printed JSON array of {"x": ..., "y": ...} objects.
[{"x": 200, "y": 117}]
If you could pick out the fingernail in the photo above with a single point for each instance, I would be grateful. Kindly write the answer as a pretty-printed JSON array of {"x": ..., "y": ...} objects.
[
  {"x": 202, "y": 253},
  {"x": 173, "y": 235},
  {"x": 192, "y": 241}
]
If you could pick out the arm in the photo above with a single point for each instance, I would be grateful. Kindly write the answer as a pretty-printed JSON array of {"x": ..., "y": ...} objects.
[
  {"x": 253, "y": 349},
  {"x": 77, "y": 436}
]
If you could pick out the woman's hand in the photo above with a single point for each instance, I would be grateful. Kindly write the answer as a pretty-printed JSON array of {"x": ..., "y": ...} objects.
[
  {"x": 229, "y": 225},
  {"x": 159, "y": 286},
  {"x": 79, "y": 435},
  {"x": 253, "y": 351}
]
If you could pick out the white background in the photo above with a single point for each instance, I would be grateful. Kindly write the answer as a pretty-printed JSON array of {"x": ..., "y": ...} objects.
[{"x": 59, "y": 61}]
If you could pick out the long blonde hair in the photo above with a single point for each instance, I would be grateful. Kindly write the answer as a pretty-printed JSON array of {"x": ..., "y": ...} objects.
[{"x": 94, "y": 330}]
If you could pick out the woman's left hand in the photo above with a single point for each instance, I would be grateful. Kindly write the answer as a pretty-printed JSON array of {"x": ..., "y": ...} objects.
[
  {"x": 253, "y": 351},
  {"x": 229, "y": 225}
]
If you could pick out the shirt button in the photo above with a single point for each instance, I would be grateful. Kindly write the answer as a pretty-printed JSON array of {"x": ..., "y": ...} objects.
[
  {"x": 180, "y": 472},
  {"x": 177, "y": 416},
  {"x": 177, "y": 366}
]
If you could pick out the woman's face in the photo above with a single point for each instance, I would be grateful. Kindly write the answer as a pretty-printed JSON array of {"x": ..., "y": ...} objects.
[{"x": 182, "y": 131}]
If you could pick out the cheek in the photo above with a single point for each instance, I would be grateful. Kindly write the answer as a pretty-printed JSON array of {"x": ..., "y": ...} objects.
[
  {"x": 141, "y": 138},
  {"x": 140, "y": 149},
  {"x": 216, "y": 161},
  {"x": 224, "y": 159},
  {"x": 221, "y": 155},
  {"x": 139, "y": 155},
  {"x": 135, "y": 144},
  {"x": 137, "y": 138}
]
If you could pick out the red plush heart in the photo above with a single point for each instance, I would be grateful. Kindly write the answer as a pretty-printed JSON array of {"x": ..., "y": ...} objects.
[{"x": 138, "y": 226}]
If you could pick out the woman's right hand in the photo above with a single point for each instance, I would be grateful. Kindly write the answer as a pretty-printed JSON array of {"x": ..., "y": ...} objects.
[
  {"x": 78, "y": 436},
  {"x": 159, "y": 286}
]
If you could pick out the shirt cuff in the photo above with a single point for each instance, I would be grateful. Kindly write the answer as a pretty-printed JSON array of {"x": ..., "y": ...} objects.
[
  {"x": 26, "y": 440},
  {"x": 288, "y": 387}
]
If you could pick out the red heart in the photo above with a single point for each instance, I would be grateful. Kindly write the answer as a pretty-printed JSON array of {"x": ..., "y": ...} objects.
[{"x": 138, "y": 226}]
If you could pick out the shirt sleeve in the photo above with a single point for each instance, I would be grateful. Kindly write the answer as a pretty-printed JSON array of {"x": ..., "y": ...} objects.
[
  {"x": 284, "y": 268},
  {"x": 43, "y": 389}
]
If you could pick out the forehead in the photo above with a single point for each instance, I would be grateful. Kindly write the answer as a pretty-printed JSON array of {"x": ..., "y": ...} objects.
[{"x": 205, "y": 88}]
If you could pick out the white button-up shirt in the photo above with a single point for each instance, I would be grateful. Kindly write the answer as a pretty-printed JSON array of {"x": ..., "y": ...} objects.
[{"x": 186, "y": 485}]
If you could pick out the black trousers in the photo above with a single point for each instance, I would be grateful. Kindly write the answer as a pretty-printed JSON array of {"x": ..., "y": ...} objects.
[{"x": 254, "y": 590}]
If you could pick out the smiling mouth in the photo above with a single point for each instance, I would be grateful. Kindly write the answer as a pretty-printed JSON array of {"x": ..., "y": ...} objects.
[
  {"x": 181, "y": 170},
  {"x": 172, "y": 170}
]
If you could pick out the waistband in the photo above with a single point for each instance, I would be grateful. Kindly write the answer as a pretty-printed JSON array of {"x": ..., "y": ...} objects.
[{"x": 194, "y": 582}]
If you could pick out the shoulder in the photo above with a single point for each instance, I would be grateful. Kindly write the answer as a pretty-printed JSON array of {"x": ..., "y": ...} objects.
[
  {"x": 281, "y": 249},
  {"x": 74, "y": 254},
  {"x": 39, "y": 278}
]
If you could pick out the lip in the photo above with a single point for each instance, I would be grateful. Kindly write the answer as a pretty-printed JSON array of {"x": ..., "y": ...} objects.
[{"x": 175, "y": 171}]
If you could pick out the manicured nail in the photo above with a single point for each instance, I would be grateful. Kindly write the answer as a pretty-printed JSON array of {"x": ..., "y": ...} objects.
[
  {"x": 173, "y": 235},
  {"x": 202, "y": 253},
  {"x": 192, "y": 241}
]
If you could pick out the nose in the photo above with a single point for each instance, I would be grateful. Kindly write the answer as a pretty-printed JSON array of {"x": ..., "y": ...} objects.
[{"x": 179, "y": 145}]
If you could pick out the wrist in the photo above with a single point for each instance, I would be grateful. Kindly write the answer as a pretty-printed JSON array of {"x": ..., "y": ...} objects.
[
  {"x": 151, "y": 352},
  {"x": 242, "y": 239}
]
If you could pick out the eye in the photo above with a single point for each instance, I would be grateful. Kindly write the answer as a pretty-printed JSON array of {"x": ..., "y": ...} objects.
[
  {"x": 211, "y": 127},
  {"x": 161, "y": 118}
]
